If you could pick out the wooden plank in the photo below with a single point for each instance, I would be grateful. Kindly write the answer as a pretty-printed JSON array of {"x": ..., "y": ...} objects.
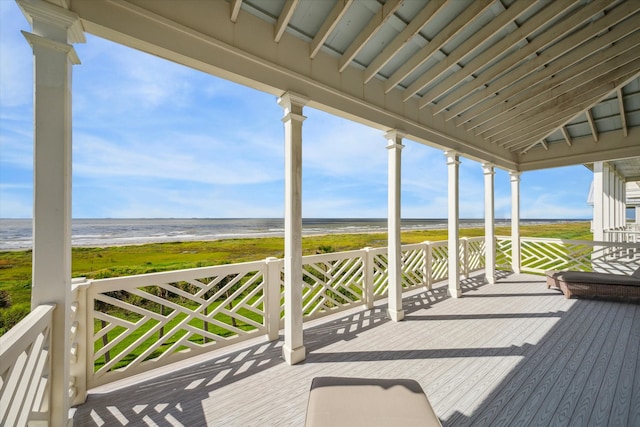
[
  {"x": 543, "y": 381},
  {"x": 572, "y": 396},
  {"x": 622, "y": 397},
  {"x": 555, "y": 395},
  {"x": 604, "y": 401},
  {"x": 489, "y": 374},
  {"x": 634, "y": 410},
  {"x": 518, "y": 388}
]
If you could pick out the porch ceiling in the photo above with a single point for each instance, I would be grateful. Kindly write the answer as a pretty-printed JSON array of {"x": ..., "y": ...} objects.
[{"x": 519, "y": 83}]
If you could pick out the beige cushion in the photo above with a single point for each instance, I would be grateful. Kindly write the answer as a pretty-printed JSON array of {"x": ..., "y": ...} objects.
[{"x": 338, "y": 401}]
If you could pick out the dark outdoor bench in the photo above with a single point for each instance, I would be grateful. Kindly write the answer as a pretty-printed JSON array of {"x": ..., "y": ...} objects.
[{"x": 591, "y": 284}]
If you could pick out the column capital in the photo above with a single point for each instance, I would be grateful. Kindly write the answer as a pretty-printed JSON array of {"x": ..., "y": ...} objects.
[
  {"x": 452, "y": 157},
  {"x": 394, "y": 134},
  {"x": 36, "y": 40},
  {"x": 488, "y": 168},
  {"x": 394, "y": 146},
  {"x": 290, "y": 99},
  {"x": 515, "y": 176},
  {"x": 50, "y": 14},
  {"x": 293, "y": 116}
]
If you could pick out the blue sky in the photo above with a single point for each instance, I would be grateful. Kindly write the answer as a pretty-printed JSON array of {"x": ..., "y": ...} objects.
[{"x": 154, "y": 139}]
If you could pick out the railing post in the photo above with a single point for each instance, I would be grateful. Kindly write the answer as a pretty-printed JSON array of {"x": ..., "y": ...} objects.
[
  {"x": 368, "y": 284},
  {"x": 80, "y": 333},
  {"x": 465, "y": 257},
  {"x": 272, "y": 297},
  {"x": 427, "y": 268}
]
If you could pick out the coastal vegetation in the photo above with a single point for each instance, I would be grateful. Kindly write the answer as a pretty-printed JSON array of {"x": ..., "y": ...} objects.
[{"x": 114, "y": 261}]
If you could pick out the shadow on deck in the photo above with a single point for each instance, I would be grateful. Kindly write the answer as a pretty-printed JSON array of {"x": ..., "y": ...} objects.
[{"x": 559, "y": 362}]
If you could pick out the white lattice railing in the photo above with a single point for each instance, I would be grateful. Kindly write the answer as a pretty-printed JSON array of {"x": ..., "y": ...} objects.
[
  {"x": 24, "y": 368},
  {"x": 141, "y": 322},
  {"x": 540, "y": 255},
  {"x": 332, "y": 282}
]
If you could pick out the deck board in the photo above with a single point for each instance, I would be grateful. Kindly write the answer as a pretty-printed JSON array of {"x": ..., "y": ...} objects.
[{"x": 512, "y": 353}]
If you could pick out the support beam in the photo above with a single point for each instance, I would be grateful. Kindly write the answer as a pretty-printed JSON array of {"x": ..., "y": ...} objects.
[
  {"x": 284, "y": 18},
  {"x": 515, "y": 221},
  {"x": 623, "y": 117},
  {"x": 489, "y": 223},
  {"x": 592, "y": 125},
  {"x": 500, "y": 22},
  {"x": 453, "y": 164},
  {"x": 496, "y": 51},
  {"x": 378, "y": 20},
  {"x": 293, "y": 349},
  {"x": 566, "y": 135},
  {"x": 53, "y": 29},
  {"x": 425, "y": 16},
  {"x": 452, "y": 29},
  {"x": 489, "y": 82},
  {"x": 235, "y": 10},
  {"x": 584, "y": 63},
  {"x": 338, "y": 11},
  {"x": 394, "y": 150}
]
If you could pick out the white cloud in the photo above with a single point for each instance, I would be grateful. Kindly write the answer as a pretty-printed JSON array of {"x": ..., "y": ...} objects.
[{"x": 183, "y": 158}]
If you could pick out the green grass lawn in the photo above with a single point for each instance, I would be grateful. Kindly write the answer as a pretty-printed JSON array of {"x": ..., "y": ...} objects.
[{"x": 95, "y": 263}]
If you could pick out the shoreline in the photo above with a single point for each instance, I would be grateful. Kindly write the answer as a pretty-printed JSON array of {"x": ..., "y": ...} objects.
[{"x": 280, "y": 235}]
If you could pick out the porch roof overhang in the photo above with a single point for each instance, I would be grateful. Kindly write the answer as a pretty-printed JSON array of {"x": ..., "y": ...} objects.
[{"x": 524, "y": 85}]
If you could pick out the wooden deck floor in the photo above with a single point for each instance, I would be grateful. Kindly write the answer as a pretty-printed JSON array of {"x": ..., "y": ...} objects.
[{"x": 509, "y": 354}]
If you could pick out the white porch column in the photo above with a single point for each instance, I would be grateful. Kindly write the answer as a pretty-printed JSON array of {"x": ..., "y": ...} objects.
[
  {"x": 53, "y": 30},
  {"x": 453, "y": 164},
  {"x": 637, "y": 216},
  {"x": 293, "y": 350},
  {"x": 606, "y": 206},
  {"x": 489, "y": 223},
  {"x": 598, "y": 201},
  {"x": 394, "y": 150},
  {"x": 623, "y": 202},
  {"x": 515, "y": 221}
]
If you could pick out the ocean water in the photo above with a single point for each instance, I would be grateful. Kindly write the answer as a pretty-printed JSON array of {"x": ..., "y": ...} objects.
[{"x": 16, "y": 234}]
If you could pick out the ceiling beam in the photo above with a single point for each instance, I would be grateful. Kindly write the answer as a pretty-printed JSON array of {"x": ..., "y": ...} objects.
[
  {"x": 565, "y": 68},
  {"x": 545, "y": 57},
  {"x": 566, "y": 135},
  {"x": 623, "y": 118},
  {"x": 470, "y": 13},
  {"x": 496, "y": 50},
  {"x": 329, "y": 24},
  {"x": 235, "y": 10},
  {"x": 541, "y": 96},
  {"x": 544, "y": 124},
  {"x": 592, "y": 125},
  {"x": 378, "y": 20},
  {"x": 284, "y": 18},
  {"x": 583, "y": 151},
  {"x": 551, "y": 35},
  {"x": 542, "y": 142},
  {"x": 471, "y": 44},
  {"x": 421, "y": 19}
]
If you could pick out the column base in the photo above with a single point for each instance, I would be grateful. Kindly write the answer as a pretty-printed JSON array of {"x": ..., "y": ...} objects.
[
  {"x": 490, "y": 280},
  {"x": 454, "y": 293},
  {"x": 395, "y": 315},
  {"x": 294, "y": 356}
]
